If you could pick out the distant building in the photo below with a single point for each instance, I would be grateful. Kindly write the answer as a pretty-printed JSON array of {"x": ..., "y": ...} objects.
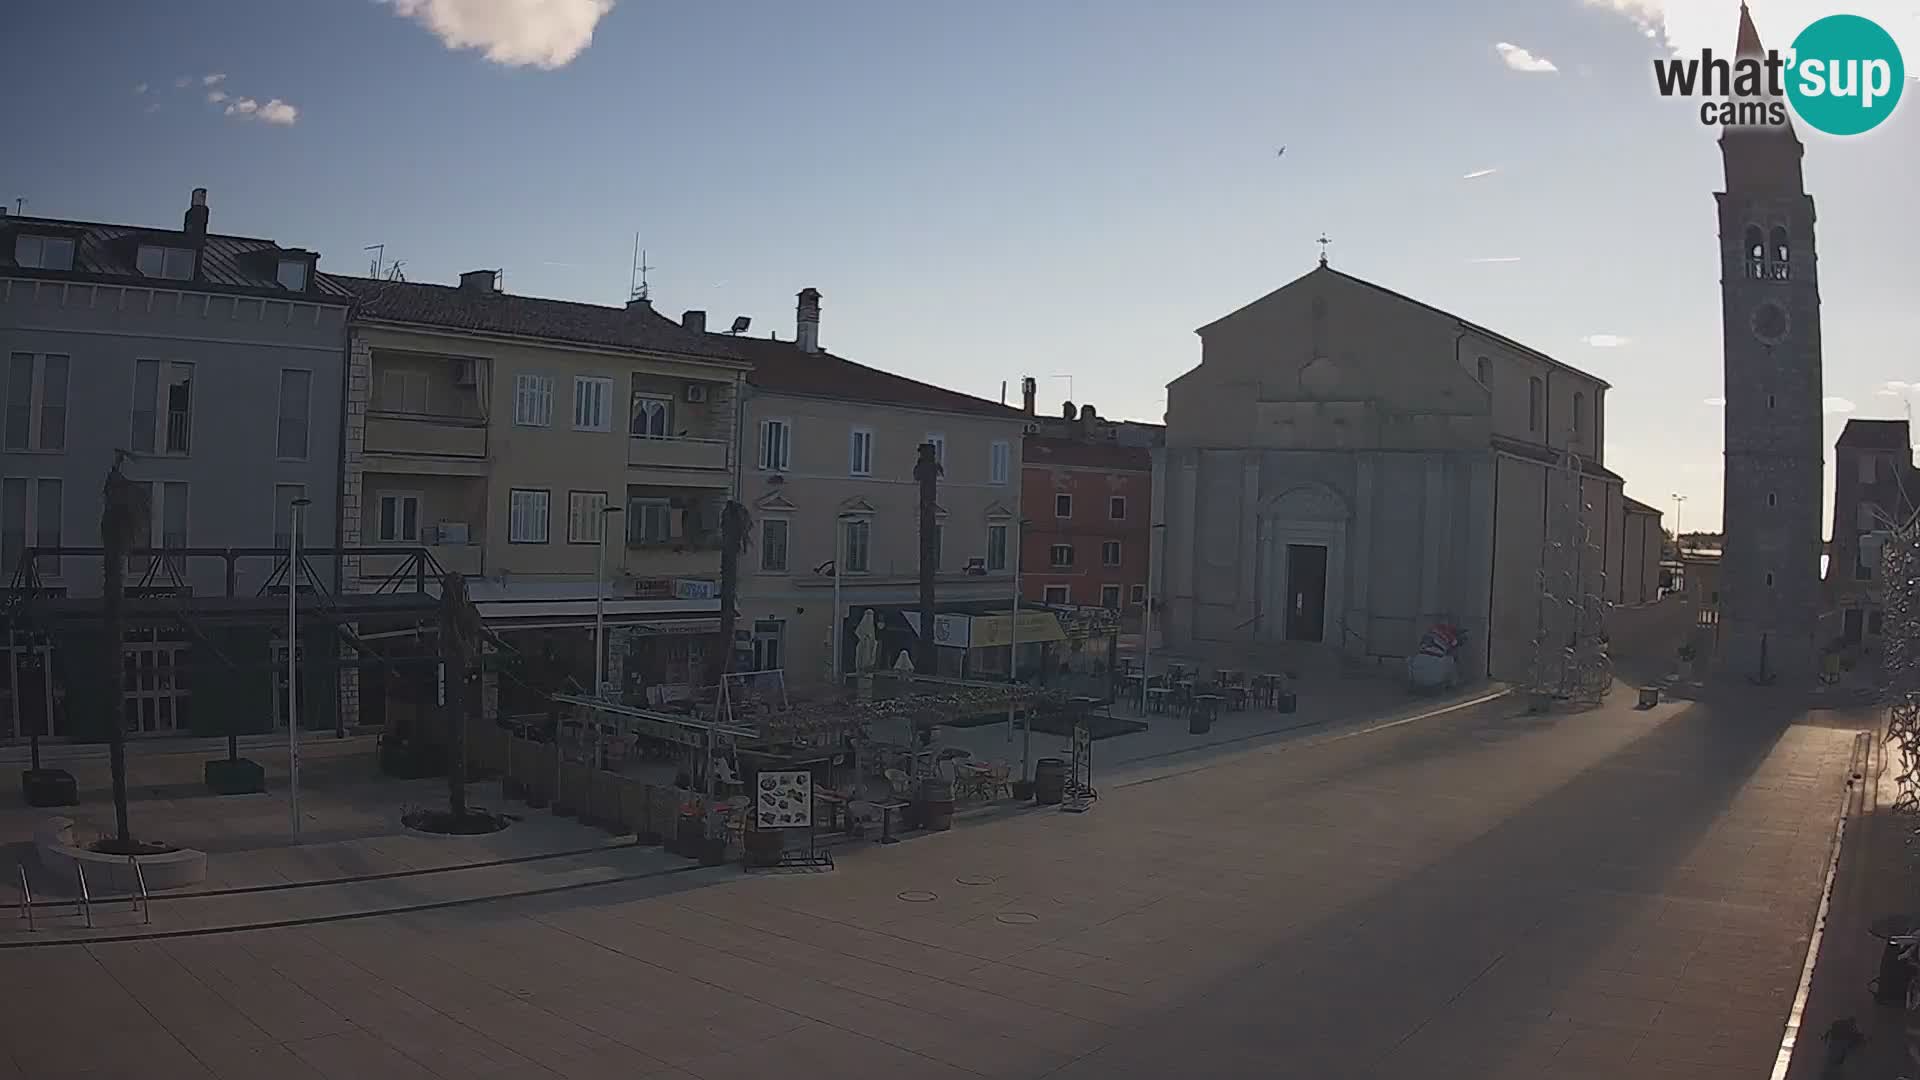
[
  {"x": 1348, "y": 466},
  {"x": 826, "y": 470},
  {"x": 1637, "y": 581},
  {"x": 1089, "y": 499},
  {"x": 1875, "y": 489},
  {"x": 216, "y": 363}
]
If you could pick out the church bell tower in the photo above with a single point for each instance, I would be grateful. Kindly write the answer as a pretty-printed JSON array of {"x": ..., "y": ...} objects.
[{"x": 1770, "y": 596}]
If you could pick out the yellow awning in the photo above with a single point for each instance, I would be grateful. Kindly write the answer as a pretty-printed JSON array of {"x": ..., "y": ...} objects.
[{"x": 990, "y": 631}]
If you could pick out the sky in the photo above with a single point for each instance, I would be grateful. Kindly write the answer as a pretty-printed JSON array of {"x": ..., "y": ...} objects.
[{"x": 1061, "y": 188}]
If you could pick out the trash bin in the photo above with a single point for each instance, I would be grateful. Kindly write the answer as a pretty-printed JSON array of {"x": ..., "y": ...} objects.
[
  {"x": 1049, "y": 781},
  {"x": 936, "y": 805}
]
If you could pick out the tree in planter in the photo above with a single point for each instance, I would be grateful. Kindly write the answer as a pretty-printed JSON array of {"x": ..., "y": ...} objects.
[
  {"x": 123, "y": 518},
  {"x": 460, "y": 633},
  {"x": 927, "y": 472}
]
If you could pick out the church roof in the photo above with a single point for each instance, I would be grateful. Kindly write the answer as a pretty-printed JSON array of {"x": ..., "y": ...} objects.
[
  {"x": 1464, "y": 324},
  {"x": 1874, "y": 435},
  {"x": 1546, "y": 455},
  {"x": 1635, "y": 506},
  {"x": 1749, "y": 43}
]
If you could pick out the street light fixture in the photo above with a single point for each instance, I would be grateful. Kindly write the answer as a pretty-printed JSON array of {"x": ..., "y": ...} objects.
[{"x": 295, "y": 512}]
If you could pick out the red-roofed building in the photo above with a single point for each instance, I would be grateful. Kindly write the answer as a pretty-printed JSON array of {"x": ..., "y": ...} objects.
[{"x": 1087, "y": 493}]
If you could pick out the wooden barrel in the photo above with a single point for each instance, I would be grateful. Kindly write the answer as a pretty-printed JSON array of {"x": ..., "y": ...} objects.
[
  {"x": 936, "y": 799},
  {"x": 1049, "y": 781}
]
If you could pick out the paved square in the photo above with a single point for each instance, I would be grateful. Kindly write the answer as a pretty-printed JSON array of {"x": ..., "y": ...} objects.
[{"x": 1478, "y": 894}]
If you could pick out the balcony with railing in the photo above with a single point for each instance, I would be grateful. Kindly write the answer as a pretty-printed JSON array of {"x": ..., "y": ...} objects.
[
  {"x": 676, "y": 454},
  {"x": 420, "y": 435}
]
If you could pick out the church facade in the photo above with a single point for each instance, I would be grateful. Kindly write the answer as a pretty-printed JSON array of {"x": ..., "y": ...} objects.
[
  {"x": 1770, "y": 588},
  {"x": 1347, "y": 467}
]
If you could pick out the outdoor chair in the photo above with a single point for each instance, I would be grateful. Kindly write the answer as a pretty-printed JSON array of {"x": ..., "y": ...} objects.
[{"x": 900, "y": 784}]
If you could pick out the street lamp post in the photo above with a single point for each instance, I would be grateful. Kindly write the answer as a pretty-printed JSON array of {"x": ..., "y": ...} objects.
[
  {"x": 839, "y": 620},
  {"x": 1678, "y": 500},
  {"x": 599, "y": 604},
  {"x": 295, "y": 513},
  {"x": 1146, "y": 620}
]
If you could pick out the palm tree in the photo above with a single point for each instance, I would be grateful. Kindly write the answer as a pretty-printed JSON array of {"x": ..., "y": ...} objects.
[
  {"x": 736, "y": 532},
  {"x": 123, "y": 517},
  {"x": 927, "y": 471}
]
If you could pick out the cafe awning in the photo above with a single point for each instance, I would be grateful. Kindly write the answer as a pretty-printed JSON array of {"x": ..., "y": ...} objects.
[{"x": 990, "y": 631}]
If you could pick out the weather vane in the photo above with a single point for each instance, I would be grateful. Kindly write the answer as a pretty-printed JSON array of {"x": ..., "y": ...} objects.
[{"x": 1323, "y": 242}]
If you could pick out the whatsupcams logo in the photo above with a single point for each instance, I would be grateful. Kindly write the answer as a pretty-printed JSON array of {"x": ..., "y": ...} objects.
[{"x": 1843, "y": 76}]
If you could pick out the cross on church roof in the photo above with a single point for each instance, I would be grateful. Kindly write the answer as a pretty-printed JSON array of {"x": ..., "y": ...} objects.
[{"x": 1323, "y": 242}]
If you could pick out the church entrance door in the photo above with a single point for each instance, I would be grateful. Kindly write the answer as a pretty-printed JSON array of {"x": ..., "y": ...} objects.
[{"x": 1306, "y": 592}]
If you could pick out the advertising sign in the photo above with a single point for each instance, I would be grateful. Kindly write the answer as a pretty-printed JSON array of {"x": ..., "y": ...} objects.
[{"x": 783, "y": 800}]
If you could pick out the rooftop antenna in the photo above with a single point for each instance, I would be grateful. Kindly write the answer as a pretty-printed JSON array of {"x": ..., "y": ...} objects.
[
  {"x": 379, "y": 251},
  {"x": 637, "y": 288},
  {"x": 393, "y": 271},
  {"x": 19, "y": 206},
  {"x": 1323, "y": 242}
]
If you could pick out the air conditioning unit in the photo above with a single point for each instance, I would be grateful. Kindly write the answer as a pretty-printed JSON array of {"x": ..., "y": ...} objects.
[
  {"x": 450, "y": 532},
  {"x": 466, "y": 371},
  {"x": 696, "y": 393}
]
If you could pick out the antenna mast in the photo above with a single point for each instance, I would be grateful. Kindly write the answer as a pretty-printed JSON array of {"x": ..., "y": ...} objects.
[
  {"x": 637, "y": 288},
  {"x": 379, "y": 251}
]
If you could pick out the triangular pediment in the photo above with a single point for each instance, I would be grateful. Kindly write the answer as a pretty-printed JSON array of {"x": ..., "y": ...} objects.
[
  {"x": 998, "y": 511},
  {"x": 774, "y": 502},
  {"x": 856, "y": 505}
]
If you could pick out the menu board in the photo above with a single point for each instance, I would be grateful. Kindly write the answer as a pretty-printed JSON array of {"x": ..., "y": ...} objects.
[{"x": 784, "y": 800}]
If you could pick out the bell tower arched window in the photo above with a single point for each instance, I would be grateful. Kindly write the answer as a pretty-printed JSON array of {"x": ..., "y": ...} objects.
[
  {"x": 1755, "y": 250},
  {"x": 1779, "y": 251}
]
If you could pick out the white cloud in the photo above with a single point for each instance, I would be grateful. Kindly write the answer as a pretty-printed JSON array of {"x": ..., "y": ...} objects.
[
  {"x": 1478, "y": 173},
  {"x": 1687, "y": 26},
  {"x": 1520, "y": 59},
  {"x": 278, "y": 112},
  {"x": 243, "y": 107},
  {"x": 140, "y": 88},
  {"x": 1716, "y": 402},
  {"x": 1836, "y": 405},
  {"x": 513, "y": 33},
  {"x": 1606, "y": 341},
  {"x": 1496, "y": 259},
  {"x": 213, "y": 79},
  {"x": 183, "y": 82},
  {"x": 1896, "y": 388},
  {"x": 215, "y": 97}
]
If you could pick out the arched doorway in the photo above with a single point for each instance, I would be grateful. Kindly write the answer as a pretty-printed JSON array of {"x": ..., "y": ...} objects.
[{"x": 1303, "y": 558}]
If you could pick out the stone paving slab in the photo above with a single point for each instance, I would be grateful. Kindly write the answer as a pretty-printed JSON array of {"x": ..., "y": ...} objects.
[{"x": 1483, "y": 893}]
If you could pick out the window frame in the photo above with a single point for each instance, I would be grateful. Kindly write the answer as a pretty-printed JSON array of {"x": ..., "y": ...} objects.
[
  {"x": 603, "y": 399},
  {"x": 299, "y": 265},
  {"x": 40, "y": 260},
  {"x": 1114, "y": 546},
  {"x": 162, "y": 434},
  {"x": 639, "y": 509},
  {"x": 545, "y": 519},
  {"x": 1065, "y": 591},
  {"x": 1113, "y": 590},
  {"x": 283, "y": 526},
  {"x": 999, "y": 462},
  {"x": 1536, "y": 394},
  {"x": 38, "y": 404},
  {"x": 401, "y": 403},
  {"x": 1119, "y": 502},
  {"x": 635, "y": 397},
  {"x": 532, "y": 400},
  {"x": 865, "y": 562},
  {"x": 1063, "y": 499},
  {"x": 597, "y": 528},
  {"x": 939, "y": 441},
  {"x": 1869, "y": 469},
  {"x": 768, "y": 461},
  {"x": 157, "y": 503},
  {"x": 859, "y": 438},
  {"x": 33, "y": 529},
  {"x": 1005, "y": 533},
  {"x": 1053, "y": 556},
  {"x": 399, "y": 497},
  {"x": 305, "y": 419},
  {"x": 166, "y": 254},
  {"x": 1579, "y": 412},
  {"x": 1136, "y": 594},
  {"x": 767, "y": 546}
]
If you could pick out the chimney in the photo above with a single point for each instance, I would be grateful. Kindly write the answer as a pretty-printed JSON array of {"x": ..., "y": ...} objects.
[
  {"x": 807, "y": 321},
  {"x": 196, "y": 220},
  {"x": 695, "y": 321},
  {"x": 1029, "y": 387},
  {"x": 477, "y": 281},
  {"x": 1066, "y": 410}
]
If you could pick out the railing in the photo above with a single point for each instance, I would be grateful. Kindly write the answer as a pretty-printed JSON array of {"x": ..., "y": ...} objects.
[
  {"x": 179, "y": 431},
  {"x": 676, "y": 453},
  {"x": 141, "y": 901},
  {"x": 26, "y": 899},
  {"x": 86, "y": 898},
  {"x": 439, "y": 436}
]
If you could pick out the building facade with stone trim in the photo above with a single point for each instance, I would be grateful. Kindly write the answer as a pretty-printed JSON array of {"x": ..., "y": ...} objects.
[
  {"x": 1347, "y": 467},
  {"x": 503, "y": 433}
]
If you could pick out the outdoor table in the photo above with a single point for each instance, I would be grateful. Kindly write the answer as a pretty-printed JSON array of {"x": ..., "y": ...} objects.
[
  {"x": 1157, "y": 699},
  {"x": 836, "y": 809},
  {"x": 1269, "y": 687},
  {"x": 1132, "y": 684},
  {"x": 1227, "y": 676},
  {"x": 1237, "y": 697}
]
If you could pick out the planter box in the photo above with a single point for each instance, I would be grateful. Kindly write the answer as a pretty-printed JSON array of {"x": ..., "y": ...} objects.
[
  {"x": 49, "y": 787},
  {"x": 235, "y": 776}
]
